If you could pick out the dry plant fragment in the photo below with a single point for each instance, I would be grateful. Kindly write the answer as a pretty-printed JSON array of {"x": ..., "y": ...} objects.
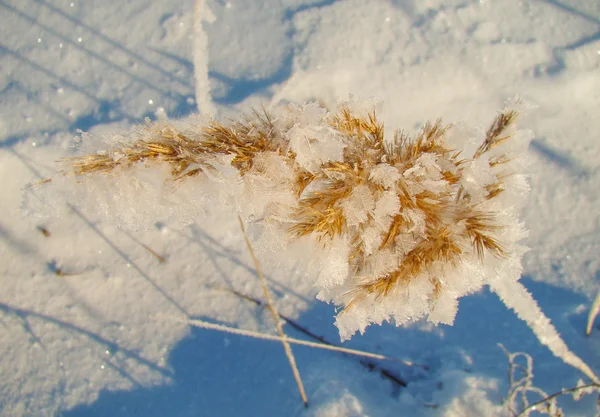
[
  {"x": 496, "y": 133},
  {"x": 257, "y": 335},
  {"x": 59, "y": 272},
  {"x": 521, "y": 389},
  {"x": 405, "y": 226},
  {"x": 44, "y": 231},
  {"x": 37, "y": 183},
  {"x": 386, "y": 373},
  {"x": 275, "y": 314},
  {"x": 427, "y": 216},
  {"x": 160, "y": 258}
]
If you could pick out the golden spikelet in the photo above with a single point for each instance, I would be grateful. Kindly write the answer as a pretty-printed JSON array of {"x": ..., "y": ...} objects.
[
  {"x": 320, "y": 212},
  {"x": 91, "y": 164},
  {"x": 244, "y": 140},
  {"x": 496, "y": 133},
  {"x": 394, "y": 230},
  {"x": 480, "y": 227},
  {"x": 406, "y": 149}
]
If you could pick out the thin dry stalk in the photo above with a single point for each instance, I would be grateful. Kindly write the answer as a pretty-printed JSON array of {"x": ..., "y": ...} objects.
[
  {"x": 257, "y": 335},
  {"x": 275, "y": 314},
  {"x": 35, "y": 184},
  {"x": 580, "y": 389},
  {"x": 302, "y": 329}
]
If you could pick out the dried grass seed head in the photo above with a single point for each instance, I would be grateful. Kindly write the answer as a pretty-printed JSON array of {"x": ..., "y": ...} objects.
[{"x": 406, "y": 198}]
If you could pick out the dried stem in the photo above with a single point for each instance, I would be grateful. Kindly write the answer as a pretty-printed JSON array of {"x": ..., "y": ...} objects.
[
  {"x": 302, "y": 329},
  {"x": 264, "y": 336},
  {"x": 551, "y": 397},
  {"x": 275, "y": 314}
]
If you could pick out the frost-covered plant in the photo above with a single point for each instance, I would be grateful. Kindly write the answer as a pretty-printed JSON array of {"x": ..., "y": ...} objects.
[
  {"x": 521, "y": 388},
  {"x": 520, "y": 378},
  {"x": 405, "y": 227}
]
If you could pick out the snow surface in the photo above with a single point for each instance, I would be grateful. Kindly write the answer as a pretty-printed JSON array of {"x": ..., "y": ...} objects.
[{"x": 100, "y": 338}]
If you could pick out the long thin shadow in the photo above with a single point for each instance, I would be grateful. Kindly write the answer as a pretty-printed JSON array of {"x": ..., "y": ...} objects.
[
  {"x": 573, "y": 10},
  {"x": 240, "y": 88},
  {"x": 27, "y": 162},
  {"x": 186, "y": 63},
  {"x": 60, "y": 79},
  {"x": 291, "y": 12},
  {"x": 17, "y": 86},
  {"x": 223, "y": 251},
  {"x": 99, "y": 57},
  {"x": 12, "y": 140},
  {"x": 114, "y": 43},
  {"x": 126, "y": 375},
  {"x": 224, "y": 276},
  {"x": 127, "y": 259},
  {"x": 560, "y": 159},
  {"x": 199, "y": 237},
  {"x": 583, "y": 41},
  {"x": 211, "y": 256},
  {"x": 369, "y": 364},
  {"x": 184, "y": 107},
  {"x": 559, "y": 62},
  {"x": 112, "y": 346},
  {"x": 27, "y": 327},
  {"x": 21, "y": 245}
]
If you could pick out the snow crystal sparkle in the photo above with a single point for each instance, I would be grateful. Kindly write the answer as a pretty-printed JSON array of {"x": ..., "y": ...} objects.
[{"x": 405, "y": 227}]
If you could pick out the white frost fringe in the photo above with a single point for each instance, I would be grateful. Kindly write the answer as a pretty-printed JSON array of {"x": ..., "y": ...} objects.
[
  {"x": 593, "y": 314},
  {"x": 200, "y": 55}
]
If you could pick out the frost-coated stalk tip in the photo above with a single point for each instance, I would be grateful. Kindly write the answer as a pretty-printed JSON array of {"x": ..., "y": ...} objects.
[
  {"x": 594, "y": 310},
  {"x": 404, "y": 226}
]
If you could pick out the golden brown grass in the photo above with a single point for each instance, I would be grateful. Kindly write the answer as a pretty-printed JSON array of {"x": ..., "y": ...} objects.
[{"x": 320, "y": 213}]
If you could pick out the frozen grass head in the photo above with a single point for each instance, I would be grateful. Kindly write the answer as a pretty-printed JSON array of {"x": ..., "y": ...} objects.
[{"x": 405, "y": 225}]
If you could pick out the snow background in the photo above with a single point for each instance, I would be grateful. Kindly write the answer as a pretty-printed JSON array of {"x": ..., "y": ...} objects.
[{"x": 101, "y": 342}]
